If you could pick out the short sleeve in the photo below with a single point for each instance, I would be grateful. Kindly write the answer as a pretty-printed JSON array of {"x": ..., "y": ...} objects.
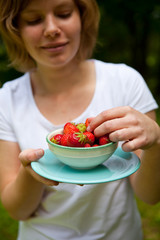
[
  {"x": 135, "y": 91},
  {"x": 6, "y": 128}
]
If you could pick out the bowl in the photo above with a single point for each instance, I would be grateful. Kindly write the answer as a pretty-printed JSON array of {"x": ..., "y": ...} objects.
[{"x": 80, "y": 157}]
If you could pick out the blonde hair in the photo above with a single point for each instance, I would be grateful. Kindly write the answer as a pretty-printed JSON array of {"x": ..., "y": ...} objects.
[{"x": 19, "y": 57}]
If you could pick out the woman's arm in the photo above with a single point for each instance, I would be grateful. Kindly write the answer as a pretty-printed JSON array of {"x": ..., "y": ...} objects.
[
  {"x": 146, "y": 181},
  {"x": 140, "y": 133},
  {"x": 21, "y": 189}
]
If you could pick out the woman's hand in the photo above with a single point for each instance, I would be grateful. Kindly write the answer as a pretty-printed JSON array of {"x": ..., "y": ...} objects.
[
  {"x": 137, "y": 130},
  {"x": 30, "y": 155}
]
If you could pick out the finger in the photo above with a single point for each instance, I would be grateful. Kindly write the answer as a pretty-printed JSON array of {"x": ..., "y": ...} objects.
[
  {"x": 125, "y": 134},
  {"x": 112, "y": 126},
  {"x": 132, "y": 145},
  {"x": 129, "y": 146},
  {"x": 90, "y": 119},
  {"x": 107, "y": 115},
  {"x": 29, "y": 155}
]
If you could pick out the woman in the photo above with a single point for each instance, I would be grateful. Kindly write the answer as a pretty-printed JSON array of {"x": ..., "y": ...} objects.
[{"x": 51, "y": 41}]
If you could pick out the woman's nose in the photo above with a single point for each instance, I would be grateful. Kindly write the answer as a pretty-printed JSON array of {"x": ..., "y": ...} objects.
[{"x": 51, "y": 28}]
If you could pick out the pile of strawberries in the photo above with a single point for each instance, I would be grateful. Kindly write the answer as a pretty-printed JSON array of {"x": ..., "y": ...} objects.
[{"x": 76, "y": 135}]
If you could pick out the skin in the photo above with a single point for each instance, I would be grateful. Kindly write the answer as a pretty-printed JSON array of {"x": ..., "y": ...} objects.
[
  {"x": 59, "y": 43},
  {"x": 42, "y": 27}
]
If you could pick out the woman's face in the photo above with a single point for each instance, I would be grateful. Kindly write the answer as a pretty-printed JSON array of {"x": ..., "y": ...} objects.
[{"x": 51, "y": 31}]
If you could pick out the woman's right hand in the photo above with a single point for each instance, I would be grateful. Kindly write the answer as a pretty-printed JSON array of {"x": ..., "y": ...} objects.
[{"x": 30, "y": 155}]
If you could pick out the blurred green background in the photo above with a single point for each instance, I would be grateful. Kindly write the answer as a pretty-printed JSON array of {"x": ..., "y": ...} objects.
[{"x": 129, "y": 33}]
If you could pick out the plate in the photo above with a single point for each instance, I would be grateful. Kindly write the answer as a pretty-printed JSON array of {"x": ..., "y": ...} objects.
[{"x": 118, "y": 166}]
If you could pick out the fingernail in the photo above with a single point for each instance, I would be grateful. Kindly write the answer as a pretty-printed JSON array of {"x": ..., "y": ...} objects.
[
  {"x": 39, "y": 153},
  {"x": 88, "y": 129}
]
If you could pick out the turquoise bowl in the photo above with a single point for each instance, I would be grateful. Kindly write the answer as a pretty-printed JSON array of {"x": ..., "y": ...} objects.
[{"x": 79, "y": 157}]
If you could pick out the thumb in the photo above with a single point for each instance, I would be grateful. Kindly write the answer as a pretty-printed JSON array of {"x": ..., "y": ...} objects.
[{"x": 29, "y": 155}]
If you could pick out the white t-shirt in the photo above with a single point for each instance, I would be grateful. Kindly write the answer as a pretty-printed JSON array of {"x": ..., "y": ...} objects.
[{"x": 70, "y": 212}]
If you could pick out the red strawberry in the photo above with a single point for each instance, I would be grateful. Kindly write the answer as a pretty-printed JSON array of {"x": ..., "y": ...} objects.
[
  {"x": 56, "y": 139},
  {"x": 70, "y": 128},
  {"x": 64, "y": 139},
  {"x": 90, "y": 137},
  {"x": 87, "y": 122},
  {"x": 104, "y": 139},
  {"x": 95, "y": 145},
  {"x": 87, "y": 145},
  {"x": 82, "y": 127},
  {"x": 76, "y": 139}
]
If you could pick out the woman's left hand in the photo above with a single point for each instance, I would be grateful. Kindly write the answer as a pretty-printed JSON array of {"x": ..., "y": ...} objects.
[{"x": 137, "y": 130}]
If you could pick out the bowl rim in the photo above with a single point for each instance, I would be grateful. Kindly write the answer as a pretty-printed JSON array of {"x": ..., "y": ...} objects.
[{"x": 71, "y": 148}]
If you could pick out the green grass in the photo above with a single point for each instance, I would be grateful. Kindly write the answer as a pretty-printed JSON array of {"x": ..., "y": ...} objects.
[
  {"x": 150, "y": 222},
  {"x": 8, "y": 227}
]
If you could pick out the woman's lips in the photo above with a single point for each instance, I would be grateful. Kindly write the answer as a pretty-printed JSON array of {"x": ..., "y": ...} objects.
[{"x": 54, "y": 47}]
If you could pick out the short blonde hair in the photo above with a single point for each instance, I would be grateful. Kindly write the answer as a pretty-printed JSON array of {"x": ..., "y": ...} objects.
[{"x": 19, "y": 57}]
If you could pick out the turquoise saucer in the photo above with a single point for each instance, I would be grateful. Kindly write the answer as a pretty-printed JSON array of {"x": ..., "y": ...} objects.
[{"x": 118, "y": 166}]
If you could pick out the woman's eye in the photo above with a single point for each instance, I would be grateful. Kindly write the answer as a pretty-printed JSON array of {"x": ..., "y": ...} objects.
[
  {"x": 65, "y": 15},
  {"x": 34, "y": 21}
]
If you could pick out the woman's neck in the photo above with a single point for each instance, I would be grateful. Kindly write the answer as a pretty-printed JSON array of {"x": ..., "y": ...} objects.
[
  {"x": 56, "y": 80},
  {"x": 71, "y": 90}
]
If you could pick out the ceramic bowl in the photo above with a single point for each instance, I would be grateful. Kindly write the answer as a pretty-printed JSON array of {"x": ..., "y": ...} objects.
[{"x": 78, "y": 157}]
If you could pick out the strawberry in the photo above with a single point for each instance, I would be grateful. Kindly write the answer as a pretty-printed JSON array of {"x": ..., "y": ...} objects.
[
  {"x": 76, "y": 139},
  {"x": 104, "y": 139},
  {"x": 87, "y": 122},
  {"x": 95, "y": 145},
  {"x": 82, "y": 127},
  {"x": 87, "y": 145},
  {"x": 70, "y": 128},
  {"x": 90, "y": 137},
  {"x": 64, "y": 139},
  {"x": 56, "y": 139}
]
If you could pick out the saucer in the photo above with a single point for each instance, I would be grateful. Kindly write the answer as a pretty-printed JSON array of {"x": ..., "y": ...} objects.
[{"x": 118, "y": 166}]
